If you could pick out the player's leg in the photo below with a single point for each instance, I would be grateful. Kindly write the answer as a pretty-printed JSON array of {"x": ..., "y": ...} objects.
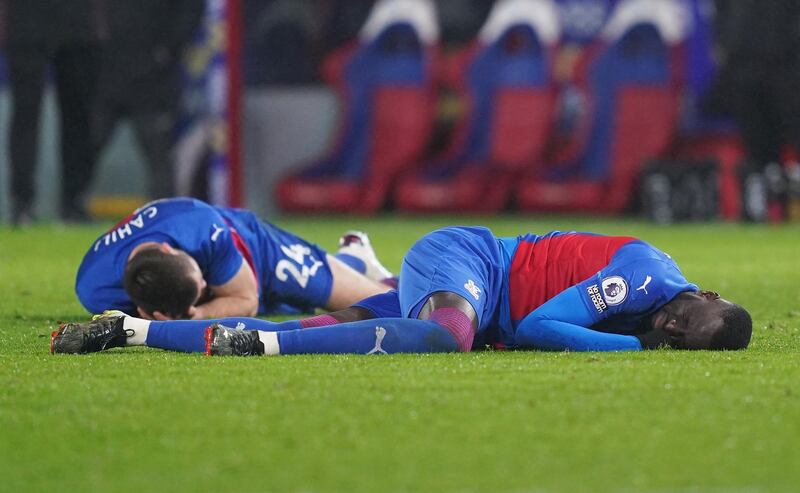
[
  {"x": 342, "y": 338},
  {"x": 154, "y": 130},
  {"x": 376, "y": 336},
  {"x": 114, "y": 329},
  {"x": 447, "y": 322},
  {"x": 303, "y": 275},
  {"x": 27, "y": 63},
  {"x": 455, "y": 314},
  {"x": 190, "y": 335},
  {"x": 447, "y": 328},
  {"x": 76, "y": 70},
  {"x": 349, "y": 286}
]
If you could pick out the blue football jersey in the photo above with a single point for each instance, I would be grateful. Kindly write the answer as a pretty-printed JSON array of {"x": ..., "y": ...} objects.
[{"x": 289, "y": 271}]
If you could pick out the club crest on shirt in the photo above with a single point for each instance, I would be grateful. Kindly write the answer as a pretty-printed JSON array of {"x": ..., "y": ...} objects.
[{"x": 615, "y": 290}]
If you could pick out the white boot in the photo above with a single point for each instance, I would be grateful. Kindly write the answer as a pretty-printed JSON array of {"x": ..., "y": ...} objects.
[{"x": 356, "y": 243}]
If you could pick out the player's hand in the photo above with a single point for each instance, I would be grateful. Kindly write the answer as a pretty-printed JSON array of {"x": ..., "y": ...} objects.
[
  {"x": 145, "y": 315},
  {"x": 195, "y": 313},
  {"x": 654, "y": 339},
  {"x": 157, "y": 315}
]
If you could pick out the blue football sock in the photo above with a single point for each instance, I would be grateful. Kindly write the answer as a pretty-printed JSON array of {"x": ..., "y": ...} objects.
[
  {"x": 188, "y": 335},
  {"x": 376, "y": 336},
  {"x": 354, "y": 263}
]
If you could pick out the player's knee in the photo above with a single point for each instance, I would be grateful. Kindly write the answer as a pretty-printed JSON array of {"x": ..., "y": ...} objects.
[{"x": 457, "y": 324}]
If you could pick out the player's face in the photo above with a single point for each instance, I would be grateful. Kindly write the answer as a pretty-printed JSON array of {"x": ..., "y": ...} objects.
[{"x": 691, "y": 319}]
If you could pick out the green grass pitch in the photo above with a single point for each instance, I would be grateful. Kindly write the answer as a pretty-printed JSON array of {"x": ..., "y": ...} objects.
[{"x": 662, "y": 421}]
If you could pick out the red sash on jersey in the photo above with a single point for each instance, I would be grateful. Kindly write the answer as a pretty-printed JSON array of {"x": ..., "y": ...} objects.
[
  {"x": 242, "y": 247},
  {"x": 122, "y": 221},
  {"x": 541, "y": 270}
]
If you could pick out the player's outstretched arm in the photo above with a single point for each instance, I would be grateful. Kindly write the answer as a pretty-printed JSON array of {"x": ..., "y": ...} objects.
[{"x": 563, "y": 324}]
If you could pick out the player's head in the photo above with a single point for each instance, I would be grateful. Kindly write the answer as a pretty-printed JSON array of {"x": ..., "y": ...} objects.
[
  {"x": 704, "y": 320},
  {"x": 164, "y": 279}
]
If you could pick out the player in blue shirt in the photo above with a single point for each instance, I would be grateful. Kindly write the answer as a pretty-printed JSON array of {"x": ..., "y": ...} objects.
[
  {"x": 183, "y": 258},
  {"x": 463, "y": 288}
]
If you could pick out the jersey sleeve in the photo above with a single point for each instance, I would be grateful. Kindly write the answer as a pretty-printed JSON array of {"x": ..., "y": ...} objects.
[
  {"x": 562, "y": 323},
  {"x": 213, "y": 246},
  {"x": 632, "y": 287}
]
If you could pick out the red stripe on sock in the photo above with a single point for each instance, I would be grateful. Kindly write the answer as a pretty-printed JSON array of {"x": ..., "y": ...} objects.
[
  {"x": 457, "y": 323},
  {"x": 318, "y": 321}
]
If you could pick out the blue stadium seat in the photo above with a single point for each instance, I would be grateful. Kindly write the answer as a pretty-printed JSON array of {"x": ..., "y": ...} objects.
[
  {"x": 632, "y": 81},
  {"x": 504, "y": 80},
  {"x": 386, "y": 84}
]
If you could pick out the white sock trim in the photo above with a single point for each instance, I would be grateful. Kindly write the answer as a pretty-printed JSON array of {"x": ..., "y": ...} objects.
[
  {"x": 270, "y": 341},
  {"x": 140, "y": 327}
]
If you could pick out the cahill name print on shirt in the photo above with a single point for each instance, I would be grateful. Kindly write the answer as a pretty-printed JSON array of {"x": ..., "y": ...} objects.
[{"x": 126, "y": 227}]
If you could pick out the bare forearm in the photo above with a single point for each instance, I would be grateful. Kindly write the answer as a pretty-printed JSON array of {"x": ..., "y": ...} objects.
[{"x": 226, "y": 306}]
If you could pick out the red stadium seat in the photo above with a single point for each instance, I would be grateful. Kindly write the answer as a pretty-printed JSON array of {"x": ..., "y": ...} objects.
[
  {"x": 632, "y": 85},
  {"x": 385, "y": 83},
  {"x": 504, "y": 80}
]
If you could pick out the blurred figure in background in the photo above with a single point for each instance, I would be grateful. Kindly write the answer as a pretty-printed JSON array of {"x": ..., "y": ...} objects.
[
  {"x": 758, "y": 46},
  {"x": 283, "y": 37},
  {"x": 140, "y": 78},
  {"x": 64, "y": 35}
]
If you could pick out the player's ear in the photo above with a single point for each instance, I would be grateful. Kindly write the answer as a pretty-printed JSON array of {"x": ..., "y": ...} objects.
[
  {"x": 166, "y": 248},
  {"x": 144, "y": 314},
  {"x": 709, "y": 295}
]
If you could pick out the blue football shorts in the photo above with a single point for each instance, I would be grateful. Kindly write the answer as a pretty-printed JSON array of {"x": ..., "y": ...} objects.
[{"x": 463, "y": 260}]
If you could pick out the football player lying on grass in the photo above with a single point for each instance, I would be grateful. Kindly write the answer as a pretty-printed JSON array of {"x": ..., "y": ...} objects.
[
  {"x": 463, "y": 288},
  {"x": 183, "y": 258}
]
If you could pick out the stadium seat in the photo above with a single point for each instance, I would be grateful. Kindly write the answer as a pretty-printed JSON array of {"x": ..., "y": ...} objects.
[
  {"x": 504, "y": 81},
  {"x": 385, "y": 83},
  {"x": 727, "y": 151},
  {"x": 631, "y": 79}
]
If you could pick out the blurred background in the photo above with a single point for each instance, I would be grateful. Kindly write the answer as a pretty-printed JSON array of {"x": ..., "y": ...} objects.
[{"x": 678, "y": 110}]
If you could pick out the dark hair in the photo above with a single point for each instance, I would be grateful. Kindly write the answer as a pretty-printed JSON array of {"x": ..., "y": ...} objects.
[
  {"x": 736, "y": 329},
  {"x": 160, "y": 281}
]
